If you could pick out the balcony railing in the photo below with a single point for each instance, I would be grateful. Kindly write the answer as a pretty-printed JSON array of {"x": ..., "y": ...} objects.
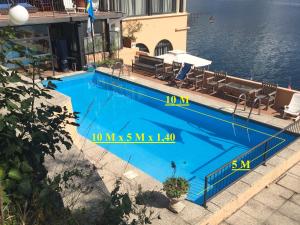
[{"x": 49, "y": 7}]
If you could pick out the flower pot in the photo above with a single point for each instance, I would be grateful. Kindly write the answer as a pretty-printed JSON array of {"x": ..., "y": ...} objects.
[{"x": 176, "y": 204}]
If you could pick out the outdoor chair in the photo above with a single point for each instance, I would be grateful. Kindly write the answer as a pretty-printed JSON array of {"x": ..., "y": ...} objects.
[
  {"x": 170, "y": 71},
  {"x": 293, "y": 108},
  {"x": 216, "y": 82},
  {"x": 95, "y": 5},
  {"x": 182, "y": 75},
  {"x": 70, "y": 7},
  {"x": 196, "y": 78},
  {"x": 267, "y": 94}
]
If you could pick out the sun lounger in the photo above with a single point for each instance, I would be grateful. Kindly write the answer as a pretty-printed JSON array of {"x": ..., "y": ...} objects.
[
  {"x": 180, "y": 78},
  {"x": 294, "y": 107}
]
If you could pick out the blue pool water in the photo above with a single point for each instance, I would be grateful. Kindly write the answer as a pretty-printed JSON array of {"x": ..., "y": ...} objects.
[{"x": 205, "y": 138}]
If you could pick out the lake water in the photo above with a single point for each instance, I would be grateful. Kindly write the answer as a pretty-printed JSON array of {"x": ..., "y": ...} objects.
[{"x": 248, "y": 38}]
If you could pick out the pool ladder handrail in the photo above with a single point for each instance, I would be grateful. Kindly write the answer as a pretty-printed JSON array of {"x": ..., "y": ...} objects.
[
  {"x": 257, "y": 99},
  {"x": 240, "y": 98},
  {"x": 121, "y": 68}
]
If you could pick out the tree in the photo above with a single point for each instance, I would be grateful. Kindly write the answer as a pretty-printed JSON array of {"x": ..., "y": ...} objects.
[{"x": 30, "y": 129}]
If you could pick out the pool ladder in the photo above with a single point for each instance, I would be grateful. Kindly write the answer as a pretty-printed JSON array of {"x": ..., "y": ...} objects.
[
  {"x": 120, "y": 66},
  {"x": 243, "y": 98}
]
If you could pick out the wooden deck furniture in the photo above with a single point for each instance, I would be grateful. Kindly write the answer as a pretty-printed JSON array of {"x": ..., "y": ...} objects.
[
  {"x": 216, "y": 82},
  {"x": 196, "y": 78},
  {"x": 149, "y": 64},
  {"x": 267, "y": 94},
  {"x": 181, "y": 77},
  {"x": 170, "y": 71},
  {"x": 234, "y": 90}
]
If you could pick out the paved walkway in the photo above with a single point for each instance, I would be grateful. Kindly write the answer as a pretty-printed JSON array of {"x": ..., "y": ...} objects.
[{"x": 278, "y": 204}]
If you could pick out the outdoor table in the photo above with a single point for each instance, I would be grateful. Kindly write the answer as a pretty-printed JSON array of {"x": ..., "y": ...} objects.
[{"x": 236, "y": 89}]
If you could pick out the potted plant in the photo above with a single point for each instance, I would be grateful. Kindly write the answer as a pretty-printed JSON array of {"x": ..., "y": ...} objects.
[
  {"x": 176, "y": 189},
  {"x": 130, "y": 30}
]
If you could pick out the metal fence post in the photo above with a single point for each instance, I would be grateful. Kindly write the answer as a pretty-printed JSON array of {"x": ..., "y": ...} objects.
[
  {"x": 265, "y": 153},
  {"x": 205, "y": 192}
]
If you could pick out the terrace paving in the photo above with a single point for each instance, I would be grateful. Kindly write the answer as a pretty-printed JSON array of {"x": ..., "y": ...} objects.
[
  {"x": 109, "y": 168},
  {"x": 279, "y": 203}
]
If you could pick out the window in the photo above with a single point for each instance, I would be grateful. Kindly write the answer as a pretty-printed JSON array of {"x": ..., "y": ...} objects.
[
  {"x": 99, "y": 27},
  {"x": 163, "y": 6},
  {"x": 163, "y": 47},
  {"x": 142, "y": 47},
  {"x": 129, "y": 7},
  {"x": 143, "y": 7},
  {"x": 32, "y": 41},
  {"x": 115, "y": 5},
  {"x": 181, "y": 6}
]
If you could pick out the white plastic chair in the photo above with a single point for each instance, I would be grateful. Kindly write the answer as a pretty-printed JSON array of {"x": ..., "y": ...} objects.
[
  {"x": 69, "y": 6},
  {"x": 294, "y": 107},
  {"x": 95, "y": 5}
]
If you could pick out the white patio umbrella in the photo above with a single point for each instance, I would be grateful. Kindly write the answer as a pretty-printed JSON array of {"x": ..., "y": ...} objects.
[{"x": 183, "y": 57}]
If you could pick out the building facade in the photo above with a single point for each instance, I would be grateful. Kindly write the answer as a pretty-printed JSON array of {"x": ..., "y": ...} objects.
[
  {"x": 52, "y": 29},
  {"x": 164, "y": 25}
]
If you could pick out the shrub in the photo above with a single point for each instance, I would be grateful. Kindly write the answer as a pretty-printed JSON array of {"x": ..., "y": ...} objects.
[{"x": 176, "y": 187}]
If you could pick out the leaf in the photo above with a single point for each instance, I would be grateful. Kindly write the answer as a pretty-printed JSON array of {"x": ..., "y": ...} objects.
[
  {"x": 14, "y": 174},
  {"x": 11, "y": 105}
]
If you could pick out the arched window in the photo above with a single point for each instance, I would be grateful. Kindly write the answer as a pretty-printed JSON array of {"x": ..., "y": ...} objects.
[
  {"x": 142, "y": 47},
  {"x": 163, "y": 47}
]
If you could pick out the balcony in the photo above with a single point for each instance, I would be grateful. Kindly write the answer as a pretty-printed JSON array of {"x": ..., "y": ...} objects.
[{"x": 49, "y": 11}]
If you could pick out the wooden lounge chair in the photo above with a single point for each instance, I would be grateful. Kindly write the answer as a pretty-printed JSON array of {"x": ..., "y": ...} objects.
[
  {"x": 294, "y": 107},
  {"x": 216, "y": 82},
  {"x": 267, "y": 94},
  {"x": 196, "y": 78},
  {"x": 170, "y": 71},
  {"x": 182, "y": 75}
]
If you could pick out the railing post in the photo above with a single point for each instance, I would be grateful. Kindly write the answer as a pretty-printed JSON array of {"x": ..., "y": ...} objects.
[
  {"x": 265, "y": 153},
  {"x": 52, "y": 5},
  {"x": 205, "y": 192}
]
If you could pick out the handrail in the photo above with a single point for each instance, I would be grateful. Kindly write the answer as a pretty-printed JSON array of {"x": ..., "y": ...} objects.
[
  {"x": 293, "y": 128},
  {"x": 121, "y": 68},
  {"x": 253, "y": 104},
  {"x": 238, "y": 101}
]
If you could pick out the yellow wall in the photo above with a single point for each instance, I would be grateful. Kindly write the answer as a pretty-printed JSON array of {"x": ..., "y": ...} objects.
[{"x": 172, "y": 27}]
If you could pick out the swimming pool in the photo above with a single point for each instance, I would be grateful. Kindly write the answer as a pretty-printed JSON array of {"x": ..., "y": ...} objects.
[{"x": 111, "y": 110}]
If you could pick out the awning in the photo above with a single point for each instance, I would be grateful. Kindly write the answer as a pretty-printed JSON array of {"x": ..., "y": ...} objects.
[{"x": 183, "y": 57}]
